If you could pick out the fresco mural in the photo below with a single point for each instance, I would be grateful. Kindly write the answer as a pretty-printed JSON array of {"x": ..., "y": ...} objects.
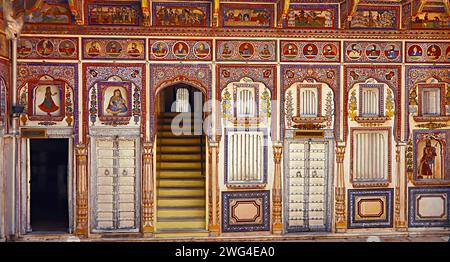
[
  {"x": 431, "y": 20},
  {"x": 47, "y": 48},
  {"x": 181, "y": 14},
  {"x": 114, "y": 98},
  {"x": 307, "y": 51},
  {"x": 371, "y": 17},
  {"x": 372, "y": 52},
  {"x": 123, "y": 13},
  {"x": 236, "y": 15},
  {"x": 4, "y": 46},
  {"x": 175, "y": 49},
  {"x": 239, "y": 50},
  {"x": 50, "y": 13},
  {"x": 113, "y": 48},
  {"x": 312, "y": 16},
  {"x": 427, "y": 52}
]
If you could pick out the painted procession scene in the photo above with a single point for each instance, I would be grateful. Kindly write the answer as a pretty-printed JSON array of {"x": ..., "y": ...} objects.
[
  {"x": 225, "y": 120},
  {"x": 308, "y": 17},
  {"x": 241, "y": 16},
  {"x": 172, "y": 14}
]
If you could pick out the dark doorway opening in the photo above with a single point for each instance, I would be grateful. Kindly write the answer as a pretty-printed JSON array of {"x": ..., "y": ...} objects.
[{"x": 49, "y": 194}]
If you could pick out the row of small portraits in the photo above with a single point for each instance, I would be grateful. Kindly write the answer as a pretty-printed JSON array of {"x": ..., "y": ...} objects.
[{"x": 246, "y": 50}]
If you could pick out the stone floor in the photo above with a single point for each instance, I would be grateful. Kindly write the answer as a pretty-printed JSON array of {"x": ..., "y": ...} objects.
[{"x": 439, "y": 236}]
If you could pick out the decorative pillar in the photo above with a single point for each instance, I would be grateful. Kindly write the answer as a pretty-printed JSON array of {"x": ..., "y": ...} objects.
[
  {"x": 341, "y": 225},
  {"x": 81, "y": 228},
  {"x": 400, "y": 190},
  {"x": 277, "y": 224},
  {"x": 147, "y": 189},
  {"x": 213, "y": 194}
]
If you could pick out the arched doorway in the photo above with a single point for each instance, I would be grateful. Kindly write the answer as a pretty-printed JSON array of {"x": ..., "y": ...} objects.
[{"x": 180, "y": 161}]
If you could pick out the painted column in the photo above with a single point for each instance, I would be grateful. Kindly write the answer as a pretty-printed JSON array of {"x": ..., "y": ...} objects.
[
  {"x": 341, "y": 225},
  {"x": 213, "y": 205},
  {"x": 147, "y": 189},
  {"x": 277, "y": 224},
  {"x": 400, "y": 189},
  {"x": 81, "y": 228}
]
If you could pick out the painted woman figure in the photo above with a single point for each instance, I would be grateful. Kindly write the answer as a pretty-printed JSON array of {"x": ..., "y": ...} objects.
[
  {"x": 117, "y": 104},
  {"x": 427, "y": 160},
  {"x": 48, "y": 105}
]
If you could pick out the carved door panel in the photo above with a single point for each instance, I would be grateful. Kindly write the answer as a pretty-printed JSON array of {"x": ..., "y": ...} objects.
[
  {"x": 307, "y": 186},
  {"x": 115, "y": 185}
]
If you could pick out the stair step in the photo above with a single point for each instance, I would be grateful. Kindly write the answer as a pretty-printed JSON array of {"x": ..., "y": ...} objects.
[
  {"x": 200, "y": 182},
  {"x": 180, "y": 234},
  {"x": 169, "y": 134},
  {"x": 172, "y": 114},
  {"x": 180, "y": 165},
  {"x": 167, "y": 120},
  {"x": 177, "y": 213},
  {"x": 179, "y": 173},
  {"x": 167, "y": 191},
  {"x": 169, "y": 149},
  {"x": 180, "y": 141},
  {"x": 180, "y": 202},
  {"x": 180, "y": 157}
]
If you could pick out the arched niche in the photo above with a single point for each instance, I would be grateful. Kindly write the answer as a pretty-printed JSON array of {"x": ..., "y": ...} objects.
[
  {"x": 371, "y": 101},
  {"x": 309, "y": 102}
]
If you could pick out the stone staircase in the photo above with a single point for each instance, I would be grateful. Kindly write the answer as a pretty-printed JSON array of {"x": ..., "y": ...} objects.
[{"x": 181, "y": 207}]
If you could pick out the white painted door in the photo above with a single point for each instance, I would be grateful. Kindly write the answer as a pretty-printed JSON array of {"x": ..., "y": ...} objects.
[
  {"x": 115, "y": 185},
  {"x": 307, "y": 183}
]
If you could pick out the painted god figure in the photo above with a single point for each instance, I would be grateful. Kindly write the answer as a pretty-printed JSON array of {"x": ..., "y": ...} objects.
[
  {"x": 117, "y": 104},
  {"x": 48, "y": 105},
  {"x": 133, "y": 50},
  {"x": 427, "y": 162}
]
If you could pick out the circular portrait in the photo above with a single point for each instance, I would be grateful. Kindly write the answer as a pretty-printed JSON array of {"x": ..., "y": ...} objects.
[
  {"x": 24, "y": 47},
  {"x": 447, "y": 53},
  {"x": 44, "y": 48},
  {"x": 329, "y": 51},
  {"x": 391, "y": 52},
  {"x": 434, "y": 52},
  {"x": 415, "y": 52},
  {"x": 202, "y": 49},
  {"x": 373, "y": 52},
  {"x": 134, "y": 49},
  {"x": 113, "y": 48},
  {"x": 310, "y": 51},
  {"x": 354, "y": 51},
  {"x": 265, "y": 51},
  {"x": 180, "y": 49},
  {"x": 246, "y": 50},
  {"x": 290, "y": 51},
  {"x": 66, "y": 48},
  {"x": 93, "y": 48},
  {"x": 160, "y": 49},
  {"x": 226, "y": 50}
]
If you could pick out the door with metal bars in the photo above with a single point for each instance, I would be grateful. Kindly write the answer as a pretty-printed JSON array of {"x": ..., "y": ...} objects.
[
  {"x": 115, "y": 185},
  {"x": 307, "y": 206}
]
